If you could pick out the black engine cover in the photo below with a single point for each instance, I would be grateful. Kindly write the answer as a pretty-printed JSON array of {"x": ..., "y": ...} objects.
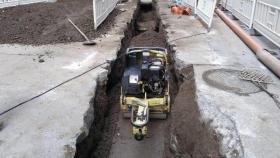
[{"x": 131, "y": 77}]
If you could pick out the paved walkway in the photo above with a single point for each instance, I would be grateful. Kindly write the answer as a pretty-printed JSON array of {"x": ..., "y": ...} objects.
[
  {"x": 245, "y": 119},
  {"x": 50, "y": 125}
]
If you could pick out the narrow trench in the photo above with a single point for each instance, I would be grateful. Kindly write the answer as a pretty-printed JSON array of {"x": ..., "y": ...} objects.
[{"x": 183, "y": 134}]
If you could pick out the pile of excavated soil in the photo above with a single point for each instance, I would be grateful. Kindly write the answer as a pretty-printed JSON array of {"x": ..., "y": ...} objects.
[
  {"x": 147, "y": 20},
  {"x": 148, "y": 35},
  {"x": 148, "y": 15},
  {"x": 149, "y": 39},
  {"x": 46, "y": 23}
]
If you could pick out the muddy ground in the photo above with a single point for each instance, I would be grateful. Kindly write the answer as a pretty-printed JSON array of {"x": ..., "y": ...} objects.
[
  {"x": 148, "y": 39},
  {"x": 46, "y": 23}
]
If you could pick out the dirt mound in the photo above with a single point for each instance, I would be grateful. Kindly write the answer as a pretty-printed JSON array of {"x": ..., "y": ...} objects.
[
  {"x": 149, "y": 39},
  {"x": 46, "y": 23},
  {"x": 148, "y": 34}
]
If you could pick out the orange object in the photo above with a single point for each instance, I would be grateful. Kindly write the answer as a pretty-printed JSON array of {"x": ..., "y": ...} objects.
[
  {"x": 181, "y": 10},
  {"x": 175, "y": 9},
  {"x": 188, "y": 10}
]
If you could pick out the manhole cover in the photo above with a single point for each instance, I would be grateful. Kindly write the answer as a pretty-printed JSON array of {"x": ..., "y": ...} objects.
[{"x": 228, "y": 80}]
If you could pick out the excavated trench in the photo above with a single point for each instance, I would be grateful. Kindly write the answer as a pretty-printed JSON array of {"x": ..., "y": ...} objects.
[{"x": 181, "y": 135}]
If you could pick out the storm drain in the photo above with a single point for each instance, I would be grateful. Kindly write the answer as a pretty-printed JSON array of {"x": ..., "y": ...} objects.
[{"x": 229, "y": 80}]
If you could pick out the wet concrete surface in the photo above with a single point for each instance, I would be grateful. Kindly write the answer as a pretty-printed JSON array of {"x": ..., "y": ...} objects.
[{"x": 51, "y": 125}]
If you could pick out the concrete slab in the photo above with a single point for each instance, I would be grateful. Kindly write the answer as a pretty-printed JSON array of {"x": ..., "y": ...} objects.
[
  {"x": 126, "y": 146},
  {"x": 246, "y": 125},
  {"x": 51, "y": 125}
]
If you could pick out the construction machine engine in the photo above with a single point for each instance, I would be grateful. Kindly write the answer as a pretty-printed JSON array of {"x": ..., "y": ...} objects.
[
  {"x": 145, "y": 89},
  {"x": 144, "y": 74},
  {"x": 154, "y": 79}
]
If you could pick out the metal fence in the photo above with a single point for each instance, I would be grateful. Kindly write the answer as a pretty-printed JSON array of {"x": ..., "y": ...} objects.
[
  {"x": 205, "y": 10},
  {"x": 243, "y": 9},
  {"x": 261, "y": 15},
  {"x": 191, "y": 3},
  {"x": 101, "y": 9},
  {"x": 267, "y": 21},
  {"x": 227, "y": 4},
  {"x": 10, "y": 3}
]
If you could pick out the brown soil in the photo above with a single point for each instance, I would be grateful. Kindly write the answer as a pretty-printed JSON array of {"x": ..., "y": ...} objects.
[
  {"x": 46, "y": 23},
  {"x": 100, "y": 103},
  {"x": 188, "y": 137},
  {"x": 149, "y": 39},
  {"x": 110, "y": 124},
  {"x": 147, "y": 20},
  {"x": 148, "y": 33}
]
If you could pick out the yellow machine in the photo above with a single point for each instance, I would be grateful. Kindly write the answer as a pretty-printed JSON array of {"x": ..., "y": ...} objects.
[{"x": 145, "y": 88}]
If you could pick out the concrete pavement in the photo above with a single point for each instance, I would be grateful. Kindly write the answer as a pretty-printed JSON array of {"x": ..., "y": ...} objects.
[
  {"x": 51, "y": 125},
  {"x": 245, "y": 119},
  {"x": 246, "y": 125}
]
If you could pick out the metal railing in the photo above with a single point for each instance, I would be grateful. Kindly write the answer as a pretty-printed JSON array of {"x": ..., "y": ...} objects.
[
  {"x": 243, "y": 9},
  {"x": 10, "y": 3},
  {"x": 260, "y": 15},
  {"x": 227, "y": 4},
  {"x": 101, "y": 9}
]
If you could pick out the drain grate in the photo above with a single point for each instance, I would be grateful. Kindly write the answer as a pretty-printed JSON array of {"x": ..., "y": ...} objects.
[
  {"x": 260, "y": 80},
  {"x": 255, "y": 76}
]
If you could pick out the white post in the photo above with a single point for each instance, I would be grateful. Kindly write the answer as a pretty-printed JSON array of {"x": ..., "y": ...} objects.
[
  {"x": 94, "y": 14},
  {"x": 225, "y": 6},
  {"x": 253, "y": 14},
  {"x": 195, "y": 5}
]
